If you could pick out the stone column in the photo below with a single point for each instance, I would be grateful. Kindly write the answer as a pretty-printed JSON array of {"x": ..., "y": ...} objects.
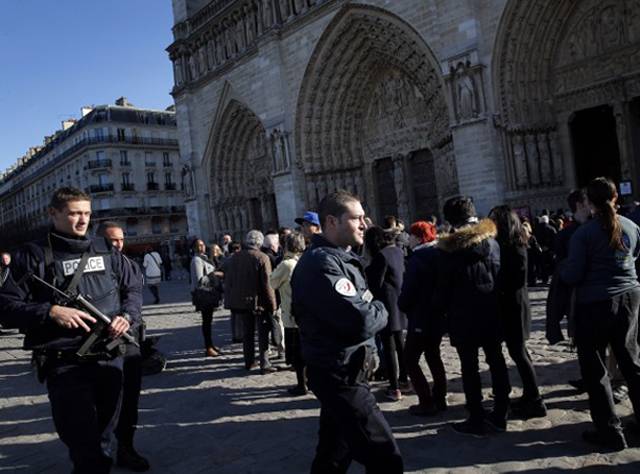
[
  {"x": 566, "y": 160},
  {"x": 400, "y": 183},
  {"x": 621, "y": 114}
]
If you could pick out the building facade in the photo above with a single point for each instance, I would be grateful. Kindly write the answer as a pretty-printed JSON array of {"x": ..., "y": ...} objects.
[
  {"x": 126, "y": 158},
  {"x": 404, "y": 102}
]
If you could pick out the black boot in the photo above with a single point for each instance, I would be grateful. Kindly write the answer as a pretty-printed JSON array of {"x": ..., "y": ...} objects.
[{"x": 130, "y": 459}]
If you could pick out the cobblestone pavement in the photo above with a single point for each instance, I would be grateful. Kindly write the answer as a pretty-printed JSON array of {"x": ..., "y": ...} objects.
[{"x": 210, "y": 415}]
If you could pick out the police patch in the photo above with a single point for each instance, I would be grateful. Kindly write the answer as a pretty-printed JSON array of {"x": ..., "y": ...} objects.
[
  {"x": 345, "y": 287},
  {"x": 94, "y": 264}
]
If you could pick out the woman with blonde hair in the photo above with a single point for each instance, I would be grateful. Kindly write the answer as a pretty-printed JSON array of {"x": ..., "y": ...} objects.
[{"x": 280, "y": 280}]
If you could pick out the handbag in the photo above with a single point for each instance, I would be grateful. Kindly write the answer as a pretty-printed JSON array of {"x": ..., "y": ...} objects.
[{"x": 207, "y": 297}]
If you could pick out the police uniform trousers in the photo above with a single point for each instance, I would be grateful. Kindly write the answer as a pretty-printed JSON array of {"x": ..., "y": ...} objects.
[
  {"x": 85, "y": 403},
  {"x": 610, "y": 322},
  {"x": 131, "y": 386},
  {"x": 352, "y": 426}
]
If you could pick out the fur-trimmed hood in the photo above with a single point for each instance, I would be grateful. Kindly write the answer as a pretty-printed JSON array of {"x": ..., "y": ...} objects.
[{"x": 468, "y": 237}]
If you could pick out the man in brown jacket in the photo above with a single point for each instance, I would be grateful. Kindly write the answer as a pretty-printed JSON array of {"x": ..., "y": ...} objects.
[{"x": 250, "y": 297}]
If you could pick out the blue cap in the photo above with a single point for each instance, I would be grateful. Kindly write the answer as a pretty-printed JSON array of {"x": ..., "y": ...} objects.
[{"x": 310, "y": 217}]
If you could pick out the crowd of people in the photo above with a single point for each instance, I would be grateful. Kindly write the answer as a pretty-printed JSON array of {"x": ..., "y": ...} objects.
[
  {"x": 342, "y": 301},
  {"x": 467, "y": 278}
]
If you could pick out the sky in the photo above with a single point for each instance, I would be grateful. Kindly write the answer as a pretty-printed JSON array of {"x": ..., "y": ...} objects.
[{"x": 59, "y": 55}]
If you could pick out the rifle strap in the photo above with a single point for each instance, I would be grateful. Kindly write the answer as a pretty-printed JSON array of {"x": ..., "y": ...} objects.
[
  {"x": 49, "y": 270},
  {"x": 75, "y": 281}
]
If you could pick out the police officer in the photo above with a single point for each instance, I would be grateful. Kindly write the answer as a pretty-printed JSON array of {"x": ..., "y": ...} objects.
[
  {"x": 338, "y": 321},
  {"x": 84, "y": 391},
  {"x": 127, "y": 456}
]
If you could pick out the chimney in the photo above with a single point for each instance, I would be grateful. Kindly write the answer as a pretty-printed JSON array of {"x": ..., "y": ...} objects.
[
  {"x": 66, "y": 124},
  {"x": 85, "y": 110},
  {"x": 123, "y": 102}
]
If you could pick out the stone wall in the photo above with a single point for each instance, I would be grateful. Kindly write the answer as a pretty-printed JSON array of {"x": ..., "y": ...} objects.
[{"x": 269, "y": 56}]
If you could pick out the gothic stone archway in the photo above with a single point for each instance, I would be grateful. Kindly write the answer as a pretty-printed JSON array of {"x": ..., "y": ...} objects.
[
  {"x": 553, "y": 59},
  {"x": 241, "y": 186},
  {"x": 372, "y": 98}
]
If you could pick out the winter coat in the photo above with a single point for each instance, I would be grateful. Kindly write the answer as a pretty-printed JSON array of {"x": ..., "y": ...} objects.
[
  {"x": 513, "y": 293},
  {"x": 280, "y": 280},
  {"x": 246, "y": 282},
  {"x": 384, "y": 277},
  {"x": 201, "y": 268},
  {"x": 467, "y": 287},
  {"x": 418, "y": 287}
]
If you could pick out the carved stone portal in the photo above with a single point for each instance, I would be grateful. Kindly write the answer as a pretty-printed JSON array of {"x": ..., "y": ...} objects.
[
  {"x": 587, "y": 56},
  {"x": 241, "y": 173},
  {"x": 372, "y": 90}
]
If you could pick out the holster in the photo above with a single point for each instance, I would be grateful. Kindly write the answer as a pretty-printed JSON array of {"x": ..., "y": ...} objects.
[
  {"x": 360, "y": 365},
  {"x": 39, "y": 363}
]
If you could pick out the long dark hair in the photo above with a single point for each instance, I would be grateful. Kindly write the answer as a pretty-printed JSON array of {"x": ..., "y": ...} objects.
[
  {"x": 602, "y": 194},
  {"x": 510, "y": 230}
]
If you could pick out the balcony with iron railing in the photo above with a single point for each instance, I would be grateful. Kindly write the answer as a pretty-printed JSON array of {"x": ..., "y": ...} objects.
[
  {"x": 152, "y": 186},
  {"x": 128, "y": 187},
  {"x": 170, "y": 186},
  {"x": 98, "y": 164},
  {"x": 86, "y": 142},
  {"x": 100, "y": 188}
]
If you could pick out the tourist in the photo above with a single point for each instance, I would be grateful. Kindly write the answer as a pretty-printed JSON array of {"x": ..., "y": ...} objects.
[
  {"x": 249, "y": 296},
  {"x": 152, "y": 264},
  {"x": 515, "y": 312},
  {"x": 425, "y": 325},
  {"x": 384, "y": 277},
  {"x": 468, "y": 292},
  {"x": 280, "y": 281},
  {"x": 206, "y": 292},
  {"x": 601, "y": 266}
]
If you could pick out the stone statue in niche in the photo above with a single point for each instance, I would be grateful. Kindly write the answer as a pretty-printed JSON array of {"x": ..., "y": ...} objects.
[
  {"x": 465, "y": 92},
  {"x": 177, "y": 71},
  {"x": 280, "y": 150},
  {"x": 193, "y": 67},
  {"x": 202, "y": 59},
  {"x": 229, "y": 39},
  {"x": 186, "y": 182},
  {"x": 249, "y": 14},
  {"x": 299, "y": 6},
  {"x": 285, "y": 9},
  {"x": 611, "y": 28},
  {"x": 268, "y": 14}
]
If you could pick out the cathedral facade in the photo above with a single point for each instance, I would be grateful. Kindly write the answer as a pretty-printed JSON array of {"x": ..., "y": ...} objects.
[{"x": 404, "y": 102}]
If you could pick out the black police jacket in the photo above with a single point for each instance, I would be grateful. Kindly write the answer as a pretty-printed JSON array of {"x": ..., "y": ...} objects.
[
  {"x": 109, "y": 282},
  {"x": 332, "y": 305}
]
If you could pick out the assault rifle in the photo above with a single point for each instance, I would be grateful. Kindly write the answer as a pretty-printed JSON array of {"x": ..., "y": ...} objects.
[{"x": 103, "y": 321}]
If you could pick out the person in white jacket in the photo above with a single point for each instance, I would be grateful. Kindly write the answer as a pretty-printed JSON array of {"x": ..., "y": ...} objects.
[
  {"x": 280, "y": 280},
  {"x": 152, "y": 264}
]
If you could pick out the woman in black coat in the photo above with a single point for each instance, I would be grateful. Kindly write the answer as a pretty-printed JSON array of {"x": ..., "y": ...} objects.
[
  {"x": 425, "y": 326},
  {"x": 384, "y": 276},
  {"x": 514, "y": 308}
]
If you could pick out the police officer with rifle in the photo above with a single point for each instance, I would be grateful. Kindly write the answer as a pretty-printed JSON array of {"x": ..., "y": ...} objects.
[
  {"x": 75, "y": 299},
  {"x": 338, "y": 321}
]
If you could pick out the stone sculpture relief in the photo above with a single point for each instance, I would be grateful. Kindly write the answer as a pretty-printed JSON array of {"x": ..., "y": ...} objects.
[{"x": 226, "y": 37}]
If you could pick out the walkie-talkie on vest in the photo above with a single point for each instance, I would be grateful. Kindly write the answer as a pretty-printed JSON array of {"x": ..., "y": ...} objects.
[{"x": 104, "y": 321}]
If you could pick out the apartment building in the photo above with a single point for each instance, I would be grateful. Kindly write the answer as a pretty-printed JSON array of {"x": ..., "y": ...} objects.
[{"x": 127, "y": 158}]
